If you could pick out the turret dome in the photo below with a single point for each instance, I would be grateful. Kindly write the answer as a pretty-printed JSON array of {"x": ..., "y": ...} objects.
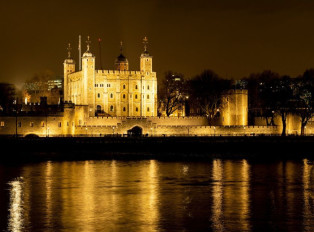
[{"x": 121, "y": 58}]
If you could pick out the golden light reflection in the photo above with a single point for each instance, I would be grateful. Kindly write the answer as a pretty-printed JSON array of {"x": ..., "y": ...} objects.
[
  {"x": 16, "y": 206},
  {"x": 307, "y": 215},
  {"x": 89, "y": 195},
  {"x": 235, "y": 194},
  {"x": 149, "y": 202},
  {"x": 244, "y": 196},
  {"x": 217, "y": 211},
  {"x": 48, "y": 185},
  {"x": 290, "y": 175}
]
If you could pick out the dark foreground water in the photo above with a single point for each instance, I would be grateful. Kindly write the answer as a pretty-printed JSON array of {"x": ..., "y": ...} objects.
[{"x": 217, "y": 195}]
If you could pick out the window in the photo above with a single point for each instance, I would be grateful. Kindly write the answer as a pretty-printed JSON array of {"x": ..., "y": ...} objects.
[
  {"x": 31, "y": 124},
  {"x": 111, "y": 108},
  {"x": 136, "y": 109},
  {"x": 148, "y": 87},
  {"x": 135, "y": 96},
  {"x": 42, "y": 124},
  {"x": 135, "y": 86},
  {"x": 124, "y": 109},
  {"x": 98, "y": 95},
  {"x": 111, "y": 95},
  {"x": 59, "y": 124},
  {"x": 2, "y": 123},
  {"x": 147, "y": 109},
  {"x": 123, "y": 86},
  {"x": 108, "y": 85},
  {"x": 123, "y": 96},
  {"x": 147, "y": 96}
]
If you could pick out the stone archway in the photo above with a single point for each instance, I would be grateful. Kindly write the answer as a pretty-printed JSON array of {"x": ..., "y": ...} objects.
[
  {"x": 31, "y": 135},
  {"x": 135, "y": 131}
]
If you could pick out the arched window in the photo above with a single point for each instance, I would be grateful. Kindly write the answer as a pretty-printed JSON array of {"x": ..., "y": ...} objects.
[
  {"x": 124, "y": 109},
  {"x": 135, "y": 96},
  {"x": 111, "y": 95},
  {"x": 98, "y": 95},
  {"x": 123, "y": 96},
  {"x": 147, "y": 96},
  {"x": 147, "y": 109},
  {"x": 136, "y": 109},
  {"x": 148, "y": 87},
  {"x": 111, "y": 108},
  {"x": 123, "y": 86},
  {"x": 135, "y": 86}
]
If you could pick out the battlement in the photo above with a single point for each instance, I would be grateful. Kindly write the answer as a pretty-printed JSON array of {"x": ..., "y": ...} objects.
[{"x": 118, "y": 72}]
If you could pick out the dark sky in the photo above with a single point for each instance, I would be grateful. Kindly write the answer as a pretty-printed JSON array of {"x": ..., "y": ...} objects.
[{"x": 233, "y": 38}]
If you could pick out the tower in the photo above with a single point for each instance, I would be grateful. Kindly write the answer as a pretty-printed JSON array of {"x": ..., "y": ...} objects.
[
  {"x": 121, "y": 63},
  {"x": 68, "y": 68},
  {"x": 146, "y": 59},
  {"x": 88, "y": 80},
  {"x": 234, "y": 109}
]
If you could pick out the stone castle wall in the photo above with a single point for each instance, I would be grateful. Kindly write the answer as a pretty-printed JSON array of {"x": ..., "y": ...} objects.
[
  {"x": 75, "y": 121},
  {"x": 71, "y": 125}
]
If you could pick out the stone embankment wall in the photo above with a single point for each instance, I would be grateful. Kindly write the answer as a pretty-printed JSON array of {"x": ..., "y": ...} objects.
[{"x": 80, "y": 125}]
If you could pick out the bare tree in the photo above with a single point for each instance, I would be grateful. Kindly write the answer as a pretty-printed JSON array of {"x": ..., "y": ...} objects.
[
  {"x": 205, "y": 93},
  {"x": 173, "y": 92}
]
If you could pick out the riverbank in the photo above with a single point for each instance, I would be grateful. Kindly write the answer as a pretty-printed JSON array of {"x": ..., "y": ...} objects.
[{"x": 89, "y": 148}]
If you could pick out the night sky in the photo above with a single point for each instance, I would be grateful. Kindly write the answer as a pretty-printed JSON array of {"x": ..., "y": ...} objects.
[{"x": 233, "y": 38}]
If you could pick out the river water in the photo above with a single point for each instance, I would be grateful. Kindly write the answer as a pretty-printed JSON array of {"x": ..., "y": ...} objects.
[{"x": 151, "y": 195}]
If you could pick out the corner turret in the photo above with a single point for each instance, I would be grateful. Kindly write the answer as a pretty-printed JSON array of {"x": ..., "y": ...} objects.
[
  {"x": 68, "y": 68},
  {"x": 88, "y": 80},
  {"x": 146, "y": 59}
]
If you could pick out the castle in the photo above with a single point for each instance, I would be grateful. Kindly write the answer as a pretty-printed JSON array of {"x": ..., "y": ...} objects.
[
  {"x": 120, "y": 102},
  {"x": 114, "y": 93}
]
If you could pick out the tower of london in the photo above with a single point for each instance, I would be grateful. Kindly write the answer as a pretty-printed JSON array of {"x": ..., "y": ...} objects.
[{"x": 112, "y": 93}]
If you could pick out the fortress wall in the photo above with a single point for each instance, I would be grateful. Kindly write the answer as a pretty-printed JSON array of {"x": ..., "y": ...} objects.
[
  {"x": 220, "y": 130},
  {"x": 152, "y": 126},
  {"x": 293, "y": 124},
  {"x": 184, "y": 121},
  {"x": 95, "y": 130},
  {"x": 108, "y": 121},
  {"x": 40, "y": 126}
]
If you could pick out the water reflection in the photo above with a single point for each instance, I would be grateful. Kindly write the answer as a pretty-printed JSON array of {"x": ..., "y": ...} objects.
[
  {"x": 307, "y": 194},
  {"x": 16, "y": 205},
  {"x": 217, "y": 212},
  {"x": 231, "y": 199},
  {"x": 221, "y": 195}
]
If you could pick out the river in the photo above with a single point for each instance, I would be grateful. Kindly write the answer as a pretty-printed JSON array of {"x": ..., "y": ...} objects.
[{"x": 152, "y": 195}]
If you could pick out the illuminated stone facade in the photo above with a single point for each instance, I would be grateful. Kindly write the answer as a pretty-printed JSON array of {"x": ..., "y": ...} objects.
[
  {"x": 111, "y": 102},
  {"x": 235, "y": 108},
  {"x": 114, "y": 93}
]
